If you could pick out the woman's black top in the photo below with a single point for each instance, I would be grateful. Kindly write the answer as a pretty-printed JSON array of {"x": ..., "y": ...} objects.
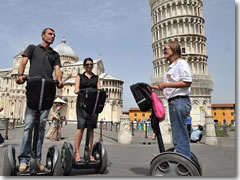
[
  {"x": 85, "y": 82},
  {"x": 82, "y": 115}
]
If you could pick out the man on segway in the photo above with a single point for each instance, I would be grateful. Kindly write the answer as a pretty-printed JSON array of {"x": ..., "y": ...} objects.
[{"x": 43, "y": 60}]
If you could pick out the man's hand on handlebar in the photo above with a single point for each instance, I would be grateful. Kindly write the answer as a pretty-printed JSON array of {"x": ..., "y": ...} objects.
[
  {"x": 21, "y": 79},
  {"x": 60, "y": 84}
]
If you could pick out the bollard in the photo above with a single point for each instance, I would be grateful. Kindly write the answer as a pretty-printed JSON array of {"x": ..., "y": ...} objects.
[
  {"x": 13, "y": 125},
  {"x": 57, "y": 133},
  {"x": 7, "y": 125},
  {"x": 225, "y": 129},
  {"x": 211, "y": 138},
  {"x": 111, "y": 125},
  {"x": 132, "y": 129},
  {"x": 116, "y": 126},
  {"x": 100, "y": 138},
  {"x": 145, "y": 130},
  {"x": 124, "y": 134}
]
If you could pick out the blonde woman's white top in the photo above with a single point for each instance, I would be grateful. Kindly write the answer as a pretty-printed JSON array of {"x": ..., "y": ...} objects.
[{"x": 177, "y": 71}]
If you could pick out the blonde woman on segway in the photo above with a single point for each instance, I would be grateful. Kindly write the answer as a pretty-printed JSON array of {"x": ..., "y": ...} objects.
[{"x": 176, "y": 89}]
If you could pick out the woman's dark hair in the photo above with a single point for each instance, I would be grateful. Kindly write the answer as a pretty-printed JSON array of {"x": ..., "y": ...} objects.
[{"x": 87, "y": 59}]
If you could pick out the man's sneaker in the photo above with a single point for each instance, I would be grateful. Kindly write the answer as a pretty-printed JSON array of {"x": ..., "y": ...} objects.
[
  {"x": 2, "y": 144},
  {"x": 22, "y": 167},
  {"x": 41, "y": 166}
]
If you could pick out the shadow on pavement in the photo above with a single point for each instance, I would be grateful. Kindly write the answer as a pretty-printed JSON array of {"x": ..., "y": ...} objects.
[{"x": 140, "y": 171}]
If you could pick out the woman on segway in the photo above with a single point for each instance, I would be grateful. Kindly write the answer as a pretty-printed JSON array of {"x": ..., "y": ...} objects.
[
  {"x": 176, "y": 89},
  {"x": 86, "y": 80}
]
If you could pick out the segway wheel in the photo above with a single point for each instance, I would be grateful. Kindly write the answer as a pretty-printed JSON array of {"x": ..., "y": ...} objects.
[
  {"x": 173, "y": 164},
  {"x": 66, "y": 158},
  {"x": 53, "y": 161},
  {"x": 9, "y": 164},
  {"x": 99, "y": 152},
  {"x": 193, "y": 158}
]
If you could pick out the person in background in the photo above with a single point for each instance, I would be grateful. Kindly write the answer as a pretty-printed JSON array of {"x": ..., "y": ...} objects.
[
  {"x": 189, "y": 125},
  {"x": 56, "y": 121},
  {"x": 1, "y": 109},
  {"x": 196, "y": 135}
]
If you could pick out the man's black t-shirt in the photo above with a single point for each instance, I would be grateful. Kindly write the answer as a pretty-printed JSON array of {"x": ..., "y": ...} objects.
[{"x": 42, "y": 62}]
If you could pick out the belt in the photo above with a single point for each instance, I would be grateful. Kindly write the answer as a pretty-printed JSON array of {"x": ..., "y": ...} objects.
[{"x": 177, "y": 97}]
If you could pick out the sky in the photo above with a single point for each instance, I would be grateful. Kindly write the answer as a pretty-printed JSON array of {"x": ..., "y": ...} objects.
[{"x": 120, "y": 32}]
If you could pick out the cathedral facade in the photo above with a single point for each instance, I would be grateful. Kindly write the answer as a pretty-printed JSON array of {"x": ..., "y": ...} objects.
[
  {"x": 182, "y": 21},
  {"x": 14, "y": 99}
]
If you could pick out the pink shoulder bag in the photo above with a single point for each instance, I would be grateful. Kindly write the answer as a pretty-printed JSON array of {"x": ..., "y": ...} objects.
[{"x": 158, "y": 107}]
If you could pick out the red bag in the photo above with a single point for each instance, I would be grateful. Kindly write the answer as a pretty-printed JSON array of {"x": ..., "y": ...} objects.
[{"x": 158, "y": 107}]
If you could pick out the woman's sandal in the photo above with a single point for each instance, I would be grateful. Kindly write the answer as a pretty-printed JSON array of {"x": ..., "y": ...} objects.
[
  {"x": 92, "y": 158},
  {"x": 77, "y": 157}
]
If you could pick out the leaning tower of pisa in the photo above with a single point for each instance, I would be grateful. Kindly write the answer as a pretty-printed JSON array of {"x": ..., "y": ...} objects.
[{"x": 182, "y": 21}]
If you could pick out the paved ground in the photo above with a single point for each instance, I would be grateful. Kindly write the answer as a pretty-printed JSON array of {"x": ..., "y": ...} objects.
[{"x": 134, "y": 159}]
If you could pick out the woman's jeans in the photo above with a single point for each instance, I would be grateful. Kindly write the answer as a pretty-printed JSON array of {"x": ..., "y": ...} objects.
[
  {"x": 26, "y": 146},
  {"x": 178, "y": 111}
]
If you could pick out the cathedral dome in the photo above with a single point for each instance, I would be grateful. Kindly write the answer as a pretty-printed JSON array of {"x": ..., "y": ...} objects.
[{"x": 65, "y": 50}]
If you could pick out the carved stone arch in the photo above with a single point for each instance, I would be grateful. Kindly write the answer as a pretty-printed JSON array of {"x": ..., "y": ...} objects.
[
  {"x": 178, "y": 2},
  {"x": 175, "y": 21},
  {"x": 182, "y": 39},
  {"x": 169, "y": 22},
  {"x": 181, "y": 20},
  {"x": 195, "y": 58},
  {"x": 165, "y": 41},
  {"x": 205, "y": 102},
  {"x": 195, "y": 102},
  {"x": 186, "y": 19},
  {"x": 174, "y": 3},
  {"x": 176, "y": 39}
]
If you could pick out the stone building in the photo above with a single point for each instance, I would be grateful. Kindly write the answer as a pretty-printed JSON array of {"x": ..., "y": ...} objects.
[
  {"x": 224, "y": 114},
  {"x": 14, "y": 95},
  {"x": 182, "y": 20}
]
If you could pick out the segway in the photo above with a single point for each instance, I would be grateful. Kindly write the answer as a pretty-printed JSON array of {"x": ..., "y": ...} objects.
[
  {"x": 94, "y": 100},
  {"x": 167, "y": 163},
  {"x": 40, "y": 96}
]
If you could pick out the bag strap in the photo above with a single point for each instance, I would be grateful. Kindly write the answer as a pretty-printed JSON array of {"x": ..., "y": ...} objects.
[{"x": 145, "y": 90}]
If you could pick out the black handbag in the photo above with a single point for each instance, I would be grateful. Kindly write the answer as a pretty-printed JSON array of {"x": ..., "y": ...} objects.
[
  {"x": 93, "y": 100},
  {"x": 40, "y": 93},
  {"x": 142, "y": 96}
]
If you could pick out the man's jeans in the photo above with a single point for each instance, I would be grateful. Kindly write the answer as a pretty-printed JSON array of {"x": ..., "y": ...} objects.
[
  {"x": 178, "y": 111},
  {"x": 26, "y": 146}
]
